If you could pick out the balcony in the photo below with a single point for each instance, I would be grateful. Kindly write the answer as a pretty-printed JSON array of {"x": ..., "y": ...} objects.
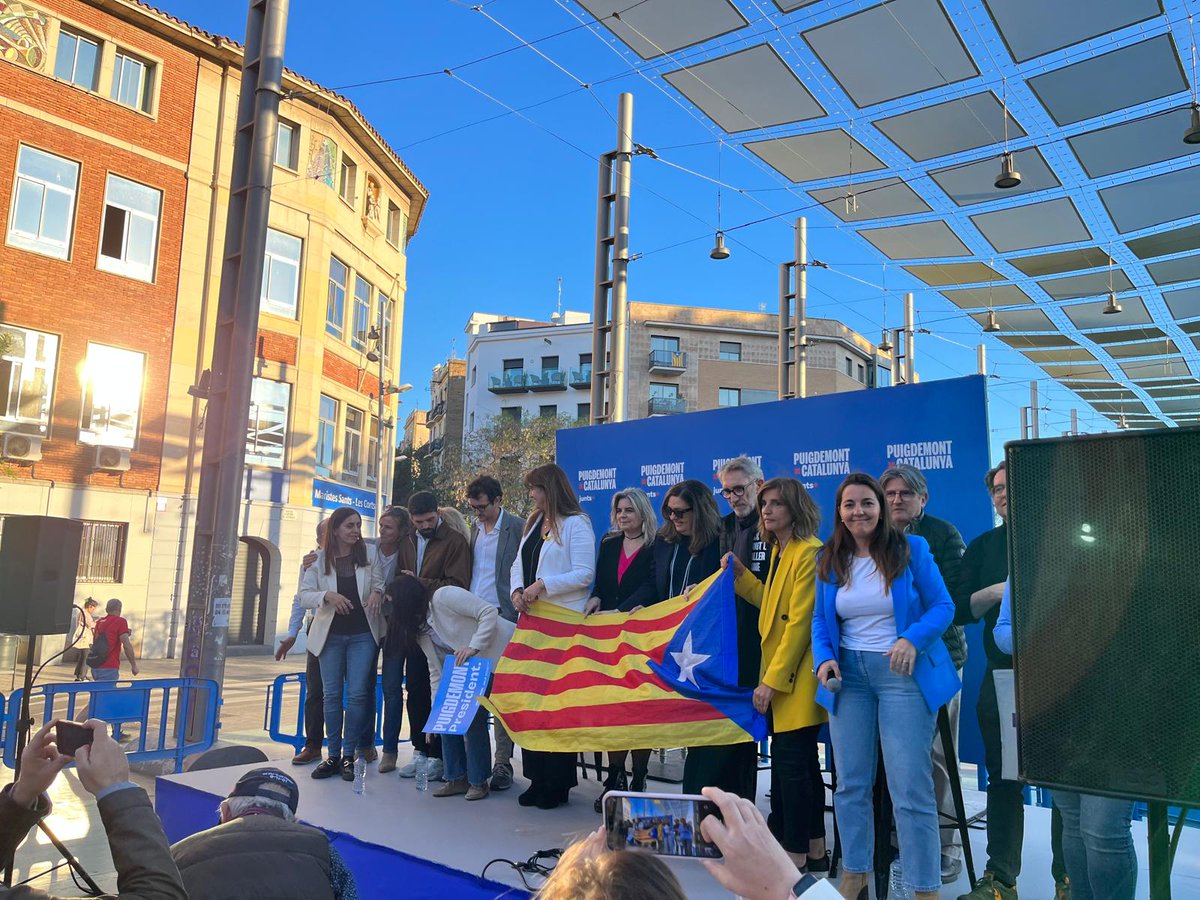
[
  {"x": 436, "y": 413},
  {"x": 549, "y": 380},
  {"x": 666, "y": 362},
  {"x": 666, "y": 406},
  {"x": 581, "y": 377},
  {"x": 510, "y": 381}
]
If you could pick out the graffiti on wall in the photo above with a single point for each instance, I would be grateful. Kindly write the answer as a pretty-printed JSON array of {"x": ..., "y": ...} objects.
[
  {"x": 22, "y": 35},
  {"x": 322, "y": 157}
]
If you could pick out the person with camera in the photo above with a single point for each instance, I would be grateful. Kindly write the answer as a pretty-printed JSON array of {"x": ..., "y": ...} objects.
[{"x": 136, "y": 840}]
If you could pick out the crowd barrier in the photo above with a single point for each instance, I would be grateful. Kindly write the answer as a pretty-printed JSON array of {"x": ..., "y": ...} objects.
[
  {"x": 159, "y": 709},
  {"x": 285, "y": 700}
]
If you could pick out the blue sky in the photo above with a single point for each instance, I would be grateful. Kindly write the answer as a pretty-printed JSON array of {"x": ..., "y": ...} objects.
[{"x": 512, "y": 204}]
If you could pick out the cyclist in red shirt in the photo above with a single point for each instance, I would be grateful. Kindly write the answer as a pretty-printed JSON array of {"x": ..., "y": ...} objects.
[{"x": 116, "y": 631}]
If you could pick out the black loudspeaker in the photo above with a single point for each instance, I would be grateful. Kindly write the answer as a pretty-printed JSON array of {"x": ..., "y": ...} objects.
[
  {"x": 1104, "y": 560},
  {"x": 39, "y": 559}
]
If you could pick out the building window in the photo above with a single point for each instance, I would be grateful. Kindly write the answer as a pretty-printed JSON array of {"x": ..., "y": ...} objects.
[
  {"x": 512, "y": 413},
  {"x": 43, "y": 203},
  {"x": 78, "y": 60},
  {"x": 472, "y": 425},
  {"x": 352, "y": 445},
  {"x": 335, "y": 305},
  {"x": 548, "y": 411},
  {"x": 346, "y": 178},
  {"x": 387, "y": 317},
  {"x": 729, "y": 397},
  {"x": 749, "y": 396},
  {"x": 27, "y": 380},
  {"x": 665, "y": 344},
  {"x": 326, "y": 435},
  {"x": 102, "y": 552},
  {"x": 862, "y": 373},
  {"x": 266, "y": 429},
  {"x": 583, "y": 412},
  {"x": 129, "y": 231},
  {"x": 514, "y": 365},
  {"x": 131, "y": 85},
  {"x": 549, "y": 363},
  {"x": 361, "y": 322},
  {"x": 395, "y": 223},
  {"x": 848, "y": 364},
  {"x": 731, "y": 350},
  {"x": 585, "y": 359},
  {"x": 373, "y": 452},
  {"x": 281, "y": 274},
  {"x": 474, "y": 372},
  {"x": 661, "y": 391},
  {"x": 287, "y": 145},
  {"x": 112, "y": 396}
]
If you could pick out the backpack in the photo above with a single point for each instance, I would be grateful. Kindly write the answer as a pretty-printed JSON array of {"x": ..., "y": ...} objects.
[{"x": 99, "y": 650}]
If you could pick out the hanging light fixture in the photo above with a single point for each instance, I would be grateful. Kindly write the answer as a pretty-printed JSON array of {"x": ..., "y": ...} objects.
[
  {"x": 1192, "y": 135},
  {"x": 719, "y": 250},
  {"x": 993, "y": 325},
  {"x": 1009, "y": 177},
  {"x": 885, "y": 342},
  {"x": 1112, "y": 307}
]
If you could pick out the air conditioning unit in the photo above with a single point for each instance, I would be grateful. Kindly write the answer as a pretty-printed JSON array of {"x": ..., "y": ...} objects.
[
  {"x": 23, "y": 447},
  {"x": 112, "y": 459}
]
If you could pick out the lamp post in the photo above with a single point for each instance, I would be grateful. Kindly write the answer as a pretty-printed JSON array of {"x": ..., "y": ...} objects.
[{"x": 379, "y": 334}]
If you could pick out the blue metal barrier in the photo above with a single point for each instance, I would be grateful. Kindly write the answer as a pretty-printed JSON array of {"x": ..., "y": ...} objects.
[
  {"x": 159, "y": 707},
  {"x": 280, "y": 704}
]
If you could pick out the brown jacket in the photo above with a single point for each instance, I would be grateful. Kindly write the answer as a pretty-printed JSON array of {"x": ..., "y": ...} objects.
[{"x": 447, "y": 559}]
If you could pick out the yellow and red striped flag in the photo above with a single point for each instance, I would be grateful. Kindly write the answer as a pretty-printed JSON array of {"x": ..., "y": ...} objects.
[{"x": 664, "y": 676}]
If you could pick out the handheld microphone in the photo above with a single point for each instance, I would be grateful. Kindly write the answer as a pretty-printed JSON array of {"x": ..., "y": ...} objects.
[{"x": 833, "y": 684}]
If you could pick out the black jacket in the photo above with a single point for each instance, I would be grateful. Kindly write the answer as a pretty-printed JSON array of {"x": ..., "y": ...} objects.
[
  {"x": 702, "y": 565},
  {"x": 636, "y": 588},
  {"x": 758, "y": 561},
  {"x": 947, "y": 547},
  {"x": 985, "y": 563}
]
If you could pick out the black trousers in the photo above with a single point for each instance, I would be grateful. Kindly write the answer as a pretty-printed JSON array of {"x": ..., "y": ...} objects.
[
  {"x": 314, "y": 707},
  {"x": 1006, "y": 802},
  {"x": 797, "y": 789},
  {"x": 730, "y": 767},
  {"x": 549, "y": 771}
]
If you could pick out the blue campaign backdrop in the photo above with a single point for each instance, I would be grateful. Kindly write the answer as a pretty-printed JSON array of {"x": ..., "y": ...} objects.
[{"x": 940, "y": 427}]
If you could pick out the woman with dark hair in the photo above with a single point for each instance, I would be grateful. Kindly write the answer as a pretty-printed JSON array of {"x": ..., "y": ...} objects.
[
  {"x": 625, "y": 581},
  {"x": 451, "y": 626},
  {"x": 555, "y": 563},
  {"x": 880, "y": 612},
  {"x": 788, "y": 521},
  {"x": 345, "y": 634}
]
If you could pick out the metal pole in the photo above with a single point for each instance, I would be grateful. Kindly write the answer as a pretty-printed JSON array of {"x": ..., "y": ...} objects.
[
  {"x": 222, "y": 463},
  {"x": 1074, "y": 421},
  {"x": 1024, "y": 422},
  {"x": 1034, "y": 410},
  {"x": 380, "y": 397},
  {"x": 981, "y": 358},
  {"x": 785, "y": 317},
  {"x": 801, "y": 335},
  {"x": 603, "y": 283},
  {"x": 910, "y": 342},
  {"x": 620, "y": 259}
]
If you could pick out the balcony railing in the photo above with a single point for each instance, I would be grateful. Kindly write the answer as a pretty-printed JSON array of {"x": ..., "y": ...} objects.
[
  {"x": 435, "y": 446},
  {"x": 667, "y": 361},
  {"x": 437, "y": 412},
  {"x": 581, "y": 377},
  {"x": 549, "y": 380},
  {"x": 666, "y": 406},
  {"x": 510, "y": 381}
]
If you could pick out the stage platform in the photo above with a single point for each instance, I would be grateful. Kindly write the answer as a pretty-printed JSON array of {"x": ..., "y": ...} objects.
[{"x": 394, "y": 835}]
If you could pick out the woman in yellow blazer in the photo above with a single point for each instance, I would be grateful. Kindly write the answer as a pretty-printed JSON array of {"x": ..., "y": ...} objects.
[{"x": 788, "y": 521}]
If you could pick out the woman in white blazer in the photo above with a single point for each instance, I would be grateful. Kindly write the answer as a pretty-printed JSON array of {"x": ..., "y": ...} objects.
[
  {"x": 345, "y": 634},
  {"x": 451, "y": 626},
  {"x": 556, "y": 563}
]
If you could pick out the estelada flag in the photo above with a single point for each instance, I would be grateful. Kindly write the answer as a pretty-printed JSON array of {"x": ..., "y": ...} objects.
[{"x": 664, "y": 676}]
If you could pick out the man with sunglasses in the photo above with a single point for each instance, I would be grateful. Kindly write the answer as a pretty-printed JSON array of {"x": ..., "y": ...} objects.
[{"x": 495, "y": 539}]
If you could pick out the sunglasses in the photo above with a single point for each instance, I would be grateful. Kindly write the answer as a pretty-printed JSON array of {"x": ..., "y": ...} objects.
[{"x": 673, "y": 513}]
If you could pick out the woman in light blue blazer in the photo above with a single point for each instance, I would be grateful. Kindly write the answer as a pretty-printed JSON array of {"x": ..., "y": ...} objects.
[{"x": 880, "y": 611}]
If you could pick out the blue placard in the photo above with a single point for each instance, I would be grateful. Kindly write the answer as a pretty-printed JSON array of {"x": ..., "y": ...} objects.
[
  {"x": 458, "y": 695},
  {"x": 940, "y": 427},
  {"x": 331, "y": 495}
]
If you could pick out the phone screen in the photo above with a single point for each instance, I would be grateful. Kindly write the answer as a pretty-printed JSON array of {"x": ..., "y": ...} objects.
[
  {"x": 668, "y": 825},
  {"x": 70, "y": 736}
]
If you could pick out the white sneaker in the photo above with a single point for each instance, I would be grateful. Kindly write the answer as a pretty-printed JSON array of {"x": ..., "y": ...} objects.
[
  {"x": 436, "y": 770},
  {"x": 410, "y": 770}
]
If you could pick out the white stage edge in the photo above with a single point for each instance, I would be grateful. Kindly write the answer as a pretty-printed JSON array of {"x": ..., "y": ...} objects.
[{"x": 464, "y": 836}]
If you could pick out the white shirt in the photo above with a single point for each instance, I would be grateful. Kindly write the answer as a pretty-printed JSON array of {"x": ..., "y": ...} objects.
[
  {"x": 421, "y": 542},
  {"x": 483, "y": 565},
  {"x": 864, "y": 608}
]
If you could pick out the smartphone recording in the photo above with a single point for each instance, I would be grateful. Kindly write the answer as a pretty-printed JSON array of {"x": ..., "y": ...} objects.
[
  {"x": 70, "y": 736},
  {"x": 665, "y": 824}
]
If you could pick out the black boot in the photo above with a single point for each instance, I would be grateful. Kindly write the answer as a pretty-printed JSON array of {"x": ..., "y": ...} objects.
[
  {"x": 615, "y": 781},
  {"x": 638, "y": 785}
]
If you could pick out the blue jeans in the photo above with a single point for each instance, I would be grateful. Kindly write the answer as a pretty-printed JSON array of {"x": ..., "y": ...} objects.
[
  {"x": 1098, "y": 846},
  {"x": 469, "y": 754},
  {"x": 113, "y": 674},
  {"x": 347, "y": 664},
  {"x": 878, "y": 706}
]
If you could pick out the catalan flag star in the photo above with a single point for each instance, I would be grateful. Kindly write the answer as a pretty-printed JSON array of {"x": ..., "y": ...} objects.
[{"x": 688, "y": 660}]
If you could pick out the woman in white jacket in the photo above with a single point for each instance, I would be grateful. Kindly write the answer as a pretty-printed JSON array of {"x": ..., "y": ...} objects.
[
  {"x": 556, "y": 563},
  {"x": 451, "y": 626},
  {"x": 346, "y": 629}
]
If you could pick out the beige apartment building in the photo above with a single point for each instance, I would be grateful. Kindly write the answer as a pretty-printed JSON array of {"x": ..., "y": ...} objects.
[{"x": 445, "y": 415}]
